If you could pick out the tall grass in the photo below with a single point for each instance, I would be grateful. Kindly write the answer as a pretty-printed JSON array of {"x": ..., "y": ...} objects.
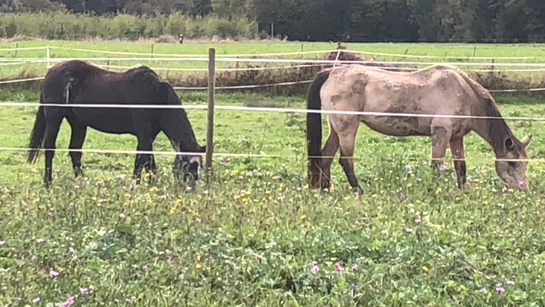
[{"x": 67, "y": 26}]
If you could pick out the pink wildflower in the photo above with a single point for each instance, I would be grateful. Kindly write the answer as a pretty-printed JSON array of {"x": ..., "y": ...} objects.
[
  {"x": 53, "y": 273},
  {"x": 68, "y": 302},
  {"x": 483, "y": 291},
  {"x": 510, "y": 282},
  {"x": 40, "y": 240},
  {"x": 384, "y": 232},
  {"x": 339, "y": 268},
  {"x": 122, "y": 215},
  {"x": 499, "y": 288},
  {"x": 36, "y": 300},
  {"x": 354, "y": 268},
  {"x": 84, "y": 291},
  {"x": 409, "y": 230}
]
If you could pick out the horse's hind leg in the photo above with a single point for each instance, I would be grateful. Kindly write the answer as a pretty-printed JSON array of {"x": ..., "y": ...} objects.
[
  {"x": 457, "y": 150},
  {"x": 328, "y": 154},
  {"x": 54, "y": 120},
  {"x": 440, "y": 137},
  {"x": 347, "y": 142},
  {"x": 79, "y": 132}
]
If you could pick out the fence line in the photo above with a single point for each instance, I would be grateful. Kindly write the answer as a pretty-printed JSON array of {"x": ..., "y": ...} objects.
[
  {"x": 234, "y": 87},
  {"x": 268, "y": 67},
  {"x": 24, "y": 48},
  {"x": 289, "y": 61},
  {"x": 440, "y": 57},
  {"x": 181, "y": 55},
  {"x": 264, "y": 109},
  {"x": 246, "y": 155},
  {"x": 267, "y": 54},
  {"x": 219, "y": 69},
  {"x": 21, "y": 80}
]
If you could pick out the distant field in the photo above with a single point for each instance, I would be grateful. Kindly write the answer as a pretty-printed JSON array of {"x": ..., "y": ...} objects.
[{"x": 444, "y": 53}]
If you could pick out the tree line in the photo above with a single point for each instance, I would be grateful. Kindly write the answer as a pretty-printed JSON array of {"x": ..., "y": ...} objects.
[{"x": 338, "y": 20}]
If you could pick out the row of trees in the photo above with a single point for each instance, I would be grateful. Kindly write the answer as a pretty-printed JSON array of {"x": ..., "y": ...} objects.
[{"x": 342, "y": 20}]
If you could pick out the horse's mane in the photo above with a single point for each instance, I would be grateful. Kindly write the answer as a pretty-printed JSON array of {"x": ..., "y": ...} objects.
[
  {"x": 143, "y": 76},
  {"x": 496, "y": 127}
]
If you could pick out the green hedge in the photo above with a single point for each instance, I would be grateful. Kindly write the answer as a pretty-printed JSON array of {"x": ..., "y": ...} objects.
[{"x": 66, "y": 26}]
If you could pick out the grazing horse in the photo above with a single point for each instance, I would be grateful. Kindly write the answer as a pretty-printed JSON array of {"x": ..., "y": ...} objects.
[
  {"x": 436, "y": 90},
  {"x": 78, "y": 82}
]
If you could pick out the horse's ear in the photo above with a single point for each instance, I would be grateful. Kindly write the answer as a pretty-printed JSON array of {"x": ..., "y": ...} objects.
[
  {"x": 526, "y": 140},
  {"x": 509, "y": 144}
]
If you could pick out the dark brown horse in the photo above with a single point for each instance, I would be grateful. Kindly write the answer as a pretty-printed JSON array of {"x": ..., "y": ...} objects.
[{"x": 78, "y": 82}]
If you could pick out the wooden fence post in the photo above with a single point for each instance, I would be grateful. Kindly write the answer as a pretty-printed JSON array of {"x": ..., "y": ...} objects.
[{"x": 210, "y": 127}]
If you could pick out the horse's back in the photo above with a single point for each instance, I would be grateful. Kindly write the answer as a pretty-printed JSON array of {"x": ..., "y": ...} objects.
[{"x": 434, "y": 90}]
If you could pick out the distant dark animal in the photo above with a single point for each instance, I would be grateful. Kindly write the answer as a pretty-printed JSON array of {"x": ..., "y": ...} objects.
[
  {"x": 78, "y": 82},
  {"x": 181, "y": 39},
  {"x": 437, "y": 90}
]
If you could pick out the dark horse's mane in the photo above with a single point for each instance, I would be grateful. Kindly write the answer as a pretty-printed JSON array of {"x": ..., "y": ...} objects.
[{"x": 144, "y": 76}]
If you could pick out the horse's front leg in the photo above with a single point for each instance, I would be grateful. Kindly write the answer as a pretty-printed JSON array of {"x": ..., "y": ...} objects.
[
  {"x": 457, "y": 150},
  {"x": 142, "y": 159},
  {"x": 151, "y": 168}
]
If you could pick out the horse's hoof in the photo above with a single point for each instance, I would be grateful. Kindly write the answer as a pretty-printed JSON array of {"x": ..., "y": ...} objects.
[
  {"x": 358, "y": 191},
  {"x": 134, "y": 184}
]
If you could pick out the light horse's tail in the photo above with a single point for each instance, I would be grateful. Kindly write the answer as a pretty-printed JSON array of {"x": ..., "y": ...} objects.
[
  {"x": 37, "y": 134},
  {"x": 314, "y": 125}
]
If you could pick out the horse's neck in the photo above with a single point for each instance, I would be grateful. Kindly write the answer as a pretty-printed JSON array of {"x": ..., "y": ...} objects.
[{"x": 493, "y": 131}]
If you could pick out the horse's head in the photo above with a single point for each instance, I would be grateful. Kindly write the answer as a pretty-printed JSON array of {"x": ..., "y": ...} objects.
[
  {"x": 513, "y": 172},
  {"x": 189, "y": 166}
]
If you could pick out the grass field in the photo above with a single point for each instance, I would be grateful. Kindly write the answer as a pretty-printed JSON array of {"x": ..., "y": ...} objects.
[{"x": 251, "y": 237}]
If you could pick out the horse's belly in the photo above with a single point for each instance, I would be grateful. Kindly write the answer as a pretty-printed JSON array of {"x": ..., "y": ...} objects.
[
  {"x": 108, "y": 121},
  {"x": 398, "y": 126}
]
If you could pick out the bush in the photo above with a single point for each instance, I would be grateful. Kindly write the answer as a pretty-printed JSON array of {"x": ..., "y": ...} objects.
[{"x": 66, "y": 26}]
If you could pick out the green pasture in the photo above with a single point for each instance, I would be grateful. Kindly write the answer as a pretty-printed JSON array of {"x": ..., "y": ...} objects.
[
  {"x": 489, "y": 55},
  {"x": 257, "y": 236}
]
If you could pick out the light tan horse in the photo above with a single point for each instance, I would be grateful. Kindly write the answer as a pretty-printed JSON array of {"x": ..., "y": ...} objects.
[{"x": 436, "y": 90}]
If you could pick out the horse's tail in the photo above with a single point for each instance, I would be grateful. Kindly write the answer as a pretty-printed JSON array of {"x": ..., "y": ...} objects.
[
  {"x": 314, "y": 124},
  {"x": 37, "y": 134}
]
